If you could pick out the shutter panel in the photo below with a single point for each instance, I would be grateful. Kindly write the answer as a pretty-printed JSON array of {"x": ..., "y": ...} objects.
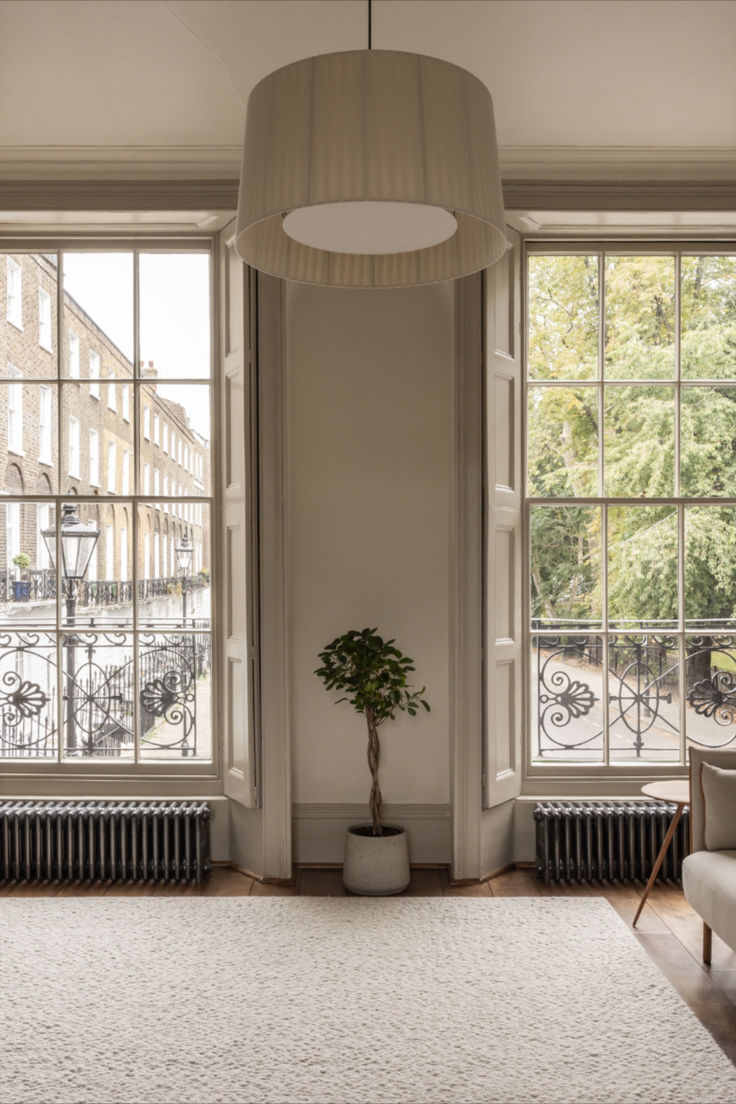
[
  {"x": 504, "y": 552},
  {"x": 238, "y": 532}
]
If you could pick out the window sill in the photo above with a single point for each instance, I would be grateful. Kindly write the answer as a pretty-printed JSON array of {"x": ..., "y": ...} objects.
[
  {"x": 18, "y": 325},
  {"x": 16, "y": 451},
  {"x": 46, "y": 460}
]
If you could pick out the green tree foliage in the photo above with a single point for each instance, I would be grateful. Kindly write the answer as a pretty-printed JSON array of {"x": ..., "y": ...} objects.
[{"x": 638, "y": 433}]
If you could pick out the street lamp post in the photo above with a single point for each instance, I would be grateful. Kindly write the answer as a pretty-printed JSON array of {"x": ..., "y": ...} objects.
[
  {"x": 184, "y": 561},
  {"x": 184, "y": 552},
  {"x": 77, "y": 540}
]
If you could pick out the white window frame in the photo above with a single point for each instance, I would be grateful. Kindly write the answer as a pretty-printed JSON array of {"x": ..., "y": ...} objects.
[
  {"x": 156, "y": 426},
  {"x": 611, "y": 777},
  {"x": 44, "y": 319},
  {"x": 112, "y": 402},
  {"x": 126, "y": 404},
  {"x": 94, "y": 457},
  {"x": 45, "y": 425},
  {"x": 112, "y": 455},
  {"x": 178, "y": 777},
  {"x": 15, "y": 412},
  {"x": 74, "y": 354},
  {"x": 94, "y": 373},
  {"x": 147, "y": 423},
  {"x": 125, "y": 473},
  {"x": 14, "y": 300},
  {"x": 74, "y": 461}
]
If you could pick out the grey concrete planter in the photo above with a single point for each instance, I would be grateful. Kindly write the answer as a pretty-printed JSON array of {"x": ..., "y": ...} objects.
[{"x": 376, "y": 866}]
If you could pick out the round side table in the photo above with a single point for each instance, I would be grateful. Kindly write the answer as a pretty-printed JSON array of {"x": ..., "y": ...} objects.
[{"x": 675, "y": 792}]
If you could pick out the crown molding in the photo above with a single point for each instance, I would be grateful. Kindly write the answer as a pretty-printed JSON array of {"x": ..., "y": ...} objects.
[
  {"x": 571, "y": 164},
  {"x": 159, "y": 178},
  {"x": 119, "y": 163},
  {"x": 618, "y": 164}
]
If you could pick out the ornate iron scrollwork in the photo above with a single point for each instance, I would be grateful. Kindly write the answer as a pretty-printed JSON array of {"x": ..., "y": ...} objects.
[{"x": 19, "y": 699}]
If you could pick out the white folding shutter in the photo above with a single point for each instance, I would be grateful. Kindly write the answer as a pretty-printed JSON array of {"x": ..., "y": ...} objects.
[
  {"x": 504, "y": 553},
  {"x": 238, "y": 533}
]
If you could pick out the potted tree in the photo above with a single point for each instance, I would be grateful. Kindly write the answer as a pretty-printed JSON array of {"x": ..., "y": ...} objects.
[
  {"x": 372, "y": 674},
  {"x": 22, "y": 586}
]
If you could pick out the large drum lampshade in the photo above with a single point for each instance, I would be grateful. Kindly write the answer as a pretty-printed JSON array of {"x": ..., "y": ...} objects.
[{"x": 370, "y": 169}]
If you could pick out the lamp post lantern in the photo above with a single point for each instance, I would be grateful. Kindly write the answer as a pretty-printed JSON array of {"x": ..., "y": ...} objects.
[{"x": 77, "y": 539}]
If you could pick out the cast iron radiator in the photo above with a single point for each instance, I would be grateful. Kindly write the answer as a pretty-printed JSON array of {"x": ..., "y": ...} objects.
[
  {"x": 604, "y": 841},
  {"x": 104, "y": 841}
]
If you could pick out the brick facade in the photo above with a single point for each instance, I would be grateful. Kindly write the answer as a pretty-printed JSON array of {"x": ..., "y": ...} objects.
[{"x": 34, "y": 463}]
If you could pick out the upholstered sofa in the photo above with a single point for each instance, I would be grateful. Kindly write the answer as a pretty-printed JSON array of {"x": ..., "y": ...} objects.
[{"x": 709, "y": 871}]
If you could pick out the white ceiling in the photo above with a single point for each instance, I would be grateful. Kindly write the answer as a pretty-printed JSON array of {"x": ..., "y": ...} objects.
[{"x": 573, "y": 81}]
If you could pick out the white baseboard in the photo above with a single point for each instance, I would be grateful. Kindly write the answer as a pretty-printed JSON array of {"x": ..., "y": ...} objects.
[{"x": 319, "y": 830}]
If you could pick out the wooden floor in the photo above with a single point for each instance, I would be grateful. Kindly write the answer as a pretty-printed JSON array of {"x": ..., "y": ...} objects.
[{"x": 668, "y": 929}]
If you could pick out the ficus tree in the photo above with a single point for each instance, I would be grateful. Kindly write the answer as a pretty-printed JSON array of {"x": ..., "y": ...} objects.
[{"x": 372, "y": 674}]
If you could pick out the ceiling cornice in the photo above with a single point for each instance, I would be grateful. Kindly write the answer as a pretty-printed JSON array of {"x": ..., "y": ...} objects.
[
  {"x": 539, "y": 177},
  {"x": 572, "y": 164}
]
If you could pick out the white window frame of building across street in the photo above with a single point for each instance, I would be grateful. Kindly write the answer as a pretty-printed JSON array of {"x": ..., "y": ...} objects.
[
  {"x": 45, "y": 431},
  {"x": 177, "y": 776},
  {"x": 112, "y": 403},
  {"x": 607, "y": 776},
  {"x": 73, "y": 355},
  {"x": 94, "y": 374},
  {"x": 112, "y": 453},
  {"x": 74, "y": 459},
  {"x": 14, "y": 303},
  {"x": 44, "y": 319},
  {"x": 15, "y": 412},
  {"x": 94, "y": 457}
]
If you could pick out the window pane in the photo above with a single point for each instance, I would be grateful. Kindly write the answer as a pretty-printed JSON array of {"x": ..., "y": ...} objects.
[
  {"x": 175, "y": 695},
  {"x": 28, "y": 318},
  {"x": 644, "y": 697},
  {"x": 640, "y": 317},
  {"x": 28, "y": 715},
  {"x": 709, "y": 317},
  {"x": 99, "y": 699},
  {"x": 183, "y": 454},
  {"x": 711, "y": 690},
  {"x": 565, "y": 566},
  {"x": 566, "y": 695},
  {"x": 639, "y": 441},
  {"x": 707, "y": 435},
  {"x": 174, "y": 565},
  {"x": 563, "y": 441},
  {"x": 710, "y": 566},
  {"x": 563, "y": 317},
  {"x": 642, "y": 567},
  {"x": 98, "y": 309},
  {"x": 27, "y": 581},
  {"x": 175, "y": 315},
  {"x": 82, "y": 413}
]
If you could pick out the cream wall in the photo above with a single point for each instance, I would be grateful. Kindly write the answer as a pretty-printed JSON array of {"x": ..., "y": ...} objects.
[{"x": 369, "y": 424}]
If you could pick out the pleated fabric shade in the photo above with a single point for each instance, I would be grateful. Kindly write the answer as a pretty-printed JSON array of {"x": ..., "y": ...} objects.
[{"x": 368, "y": 127}]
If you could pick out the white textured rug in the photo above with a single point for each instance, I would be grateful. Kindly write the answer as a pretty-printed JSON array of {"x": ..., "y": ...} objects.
[{"x": 409, "y": 1001}]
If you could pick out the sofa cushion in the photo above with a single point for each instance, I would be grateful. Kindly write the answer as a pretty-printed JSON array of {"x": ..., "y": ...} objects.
[
  {"x": 709, "y": 884},
  {"x": 719, "y": 792}
]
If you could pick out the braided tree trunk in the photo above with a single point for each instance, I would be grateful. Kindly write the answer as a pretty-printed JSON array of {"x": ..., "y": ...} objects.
[{"x": 375, "y": 801}]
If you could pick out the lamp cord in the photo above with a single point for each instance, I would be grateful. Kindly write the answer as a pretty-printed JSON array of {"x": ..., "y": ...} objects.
[{"x": 370, "y": 24}]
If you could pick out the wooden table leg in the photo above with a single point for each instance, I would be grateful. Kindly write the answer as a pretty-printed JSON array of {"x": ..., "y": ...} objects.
[{"x": 658, "y": 863}]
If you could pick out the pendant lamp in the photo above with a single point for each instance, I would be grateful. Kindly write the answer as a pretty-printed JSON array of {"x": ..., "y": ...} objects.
[{"x": 370, "y": 169}]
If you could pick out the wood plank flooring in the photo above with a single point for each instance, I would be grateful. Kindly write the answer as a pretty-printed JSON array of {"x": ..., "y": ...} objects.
[{"x": 668, "y": 929}]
